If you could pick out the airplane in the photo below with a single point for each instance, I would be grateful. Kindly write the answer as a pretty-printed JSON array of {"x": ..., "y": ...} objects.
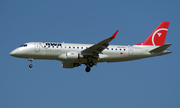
[{"x": 74, "y": 55}]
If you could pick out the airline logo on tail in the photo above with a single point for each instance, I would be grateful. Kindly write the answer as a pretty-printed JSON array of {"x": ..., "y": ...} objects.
[{"x": 158, "y": 36}]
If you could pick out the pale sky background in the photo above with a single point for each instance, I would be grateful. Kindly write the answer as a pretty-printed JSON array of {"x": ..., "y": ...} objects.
[{"x": 146, "y": 83}]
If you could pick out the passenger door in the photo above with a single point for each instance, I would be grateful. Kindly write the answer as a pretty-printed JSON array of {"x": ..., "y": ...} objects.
[
  {"x": 37, "y": 47},
  {"x": 130, "y": 50}
]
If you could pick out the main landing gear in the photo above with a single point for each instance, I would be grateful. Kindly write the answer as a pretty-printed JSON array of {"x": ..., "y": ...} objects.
[
  {"x": 88, "y": 69},
  {"x": 89, "y": 65},
  {"x": 31, "y": 60}
]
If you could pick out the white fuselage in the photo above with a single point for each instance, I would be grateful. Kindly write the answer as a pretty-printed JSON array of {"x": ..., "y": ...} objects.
[{"x": 69, "y": 52}]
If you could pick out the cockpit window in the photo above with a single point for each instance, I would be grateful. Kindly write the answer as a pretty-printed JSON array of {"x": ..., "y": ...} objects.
[{"x": 25, "y": 45}]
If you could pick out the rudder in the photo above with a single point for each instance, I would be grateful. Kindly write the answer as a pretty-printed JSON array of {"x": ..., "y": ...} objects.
[{"x": 158, "y": 36}]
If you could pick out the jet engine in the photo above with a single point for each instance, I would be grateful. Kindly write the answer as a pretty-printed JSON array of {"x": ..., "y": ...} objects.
[
  {"x": 70, "y": 56},
  {"x": 69, "y": 65}
]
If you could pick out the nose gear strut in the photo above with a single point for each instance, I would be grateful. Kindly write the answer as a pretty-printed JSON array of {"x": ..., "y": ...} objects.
[{"x": 31, "y": 60}]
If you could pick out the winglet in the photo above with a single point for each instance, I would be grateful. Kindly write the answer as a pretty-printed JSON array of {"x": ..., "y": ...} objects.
[{"x": 114, "y": 35}]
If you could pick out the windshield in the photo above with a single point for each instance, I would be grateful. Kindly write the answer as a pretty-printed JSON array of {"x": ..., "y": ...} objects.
[{"x": 25, "y": 45}]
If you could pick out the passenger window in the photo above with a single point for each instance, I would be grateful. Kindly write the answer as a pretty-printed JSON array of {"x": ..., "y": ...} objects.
[{"x": 81, "y": 47}]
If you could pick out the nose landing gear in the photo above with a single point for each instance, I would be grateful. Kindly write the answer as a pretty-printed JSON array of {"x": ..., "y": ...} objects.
[
  {"x": 30, "y": 65},
  {"x": 31, "y": 60}
]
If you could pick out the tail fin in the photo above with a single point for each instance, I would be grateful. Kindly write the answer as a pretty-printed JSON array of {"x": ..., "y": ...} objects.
[{"x": 158, "y": 36}]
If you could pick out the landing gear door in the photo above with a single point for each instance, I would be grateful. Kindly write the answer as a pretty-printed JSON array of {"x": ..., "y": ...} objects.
[
  {"x": 130, "y": 51},
  {"x": 37, "y": 47}
]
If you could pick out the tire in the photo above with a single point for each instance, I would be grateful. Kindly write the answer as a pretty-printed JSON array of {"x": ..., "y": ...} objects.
[
  {"x": 91, "y": 64},
  {"x": 88, "y": 69},
  {"x": 30, "y": 66}
]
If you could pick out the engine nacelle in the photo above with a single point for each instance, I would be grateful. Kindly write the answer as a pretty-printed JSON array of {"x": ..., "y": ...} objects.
[
  {"x": 73, "y": 56},
  {"x": 69, "y": 65},
  {"x": 70, "y": 56}
]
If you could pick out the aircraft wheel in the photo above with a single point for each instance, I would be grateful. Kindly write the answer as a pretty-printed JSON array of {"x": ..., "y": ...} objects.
[
  {"x": 91, "y": 64},
  {"x": 88, "y": 69},
  {"x": 30, "y": 66}
]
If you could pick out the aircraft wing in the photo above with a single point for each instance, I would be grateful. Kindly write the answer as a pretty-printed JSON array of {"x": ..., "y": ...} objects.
[{"x": 94, "y": 50}]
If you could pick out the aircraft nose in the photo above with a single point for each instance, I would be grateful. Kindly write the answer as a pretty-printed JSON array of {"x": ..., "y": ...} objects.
[{"x": 13, "y": 53}]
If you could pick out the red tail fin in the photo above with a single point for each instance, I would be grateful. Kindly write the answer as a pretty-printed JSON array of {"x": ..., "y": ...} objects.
[{"x": 158, "y": 36}]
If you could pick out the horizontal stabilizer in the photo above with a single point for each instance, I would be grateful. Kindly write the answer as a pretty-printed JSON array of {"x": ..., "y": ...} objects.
[{"x": 161, "y": 48}]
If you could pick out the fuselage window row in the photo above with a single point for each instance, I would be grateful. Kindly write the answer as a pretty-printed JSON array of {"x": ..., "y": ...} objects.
[
  {"x": 53, "y": 46},
  {"x": 87, "y": 47}
]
